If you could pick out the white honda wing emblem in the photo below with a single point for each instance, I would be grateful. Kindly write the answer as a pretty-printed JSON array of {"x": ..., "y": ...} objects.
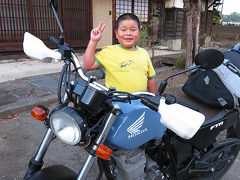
[{"x": 134, "y": 129}]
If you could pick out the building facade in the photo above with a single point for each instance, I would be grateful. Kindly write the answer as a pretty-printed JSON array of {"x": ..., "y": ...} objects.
[{"x": 78, "y": 17}]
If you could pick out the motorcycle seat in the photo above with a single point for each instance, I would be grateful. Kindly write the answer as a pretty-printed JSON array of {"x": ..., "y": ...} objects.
[{"x": 208, "y": 112}]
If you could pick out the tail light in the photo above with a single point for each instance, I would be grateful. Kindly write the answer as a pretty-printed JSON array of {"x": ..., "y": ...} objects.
[
  {"x": 39, "y": 113},
  {"x": 104, "y": 152}
]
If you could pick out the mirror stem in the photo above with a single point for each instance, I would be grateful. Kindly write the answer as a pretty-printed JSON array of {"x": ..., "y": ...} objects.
[
  {"x": 61, "y": 38},
  {"x": 181, "y": 72},
  {"x": 163, "y": 85}
]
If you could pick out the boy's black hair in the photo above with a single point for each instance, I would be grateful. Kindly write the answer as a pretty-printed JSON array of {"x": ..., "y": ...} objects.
[{"x": 127, "y": 16}]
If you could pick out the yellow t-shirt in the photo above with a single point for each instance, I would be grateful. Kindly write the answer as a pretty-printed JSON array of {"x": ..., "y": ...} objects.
[{"x": 127, "y": 70}]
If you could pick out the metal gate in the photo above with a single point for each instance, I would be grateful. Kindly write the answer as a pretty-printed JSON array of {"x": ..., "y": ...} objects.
[
  {"x": 77, "y": 21},
  {"x": 36, "y": 17}
]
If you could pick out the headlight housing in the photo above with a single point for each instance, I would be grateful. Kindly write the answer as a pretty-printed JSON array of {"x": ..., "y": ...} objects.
[{"x": 66, "y": 125}]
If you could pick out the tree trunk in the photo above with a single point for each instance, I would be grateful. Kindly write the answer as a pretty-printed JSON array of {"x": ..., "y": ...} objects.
[
  {"x": 192, "y": 10},
  {"x": 196, "y": 11},
  {"x": 189, "y": 41}
]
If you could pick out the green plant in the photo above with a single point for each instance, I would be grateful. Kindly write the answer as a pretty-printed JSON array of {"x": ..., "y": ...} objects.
[
  {"x": 180, "y": 62},
  {"x": 149, "y": 31},
  {"x": 144, "y": 37},
  {"x": 216, "y": 16}
]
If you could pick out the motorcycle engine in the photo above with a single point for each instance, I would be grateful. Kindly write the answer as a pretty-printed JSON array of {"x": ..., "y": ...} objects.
[{"x": 135, "y": 164}]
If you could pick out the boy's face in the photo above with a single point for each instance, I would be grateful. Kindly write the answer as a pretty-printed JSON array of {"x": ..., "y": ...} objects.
[{"x": 128, "y": 34}]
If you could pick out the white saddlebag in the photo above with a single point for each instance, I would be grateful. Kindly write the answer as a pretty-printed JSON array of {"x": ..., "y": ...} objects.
[{"x": 230, "y": 79}]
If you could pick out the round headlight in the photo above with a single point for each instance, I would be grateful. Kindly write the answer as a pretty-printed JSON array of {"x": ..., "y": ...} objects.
[{"x": 64, "y": 124}]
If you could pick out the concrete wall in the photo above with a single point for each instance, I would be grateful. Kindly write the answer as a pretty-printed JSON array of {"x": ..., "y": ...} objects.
[
  {"x": 227, "y": 35},
  {"x": 101, "y": 11},
  {"x": 173, "y": 44}
]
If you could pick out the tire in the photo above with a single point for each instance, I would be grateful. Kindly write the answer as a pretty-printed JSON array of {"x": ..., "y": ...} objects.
[{"x": 232, "y": 132}]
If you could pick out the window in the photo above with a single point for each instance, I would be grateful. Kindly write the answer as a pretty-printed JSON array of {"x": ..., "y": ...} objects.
[
  {"x": 141, "y": 9},
  {"x": 138, "y": 7}
]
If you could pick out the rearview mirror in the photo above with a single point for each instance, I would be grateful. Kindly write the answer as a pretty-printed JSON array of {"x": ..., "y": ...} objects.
[{"x": 209, "y": 58}]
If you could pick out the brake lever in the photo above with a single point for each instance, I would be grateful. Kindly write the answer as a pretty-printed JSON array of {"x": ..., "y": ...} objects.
[{"x": 152, "y": 105}]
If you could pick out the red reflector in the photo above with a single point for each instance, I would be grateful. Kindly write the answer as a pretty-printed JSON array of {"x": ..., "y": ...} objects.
[
  {"x": 39, "y": 113},
  {"x": 103, "y": 152}
]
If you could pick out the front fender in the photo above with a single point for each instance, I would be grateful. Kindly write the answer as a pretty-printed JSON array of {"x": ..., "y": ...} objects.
[{"x": 56, "y": 172}]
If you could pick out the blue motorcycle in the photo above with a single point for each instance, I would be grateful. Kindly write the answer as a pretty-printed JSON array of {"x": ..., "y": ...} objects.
[{"x": 132, "y": 135}]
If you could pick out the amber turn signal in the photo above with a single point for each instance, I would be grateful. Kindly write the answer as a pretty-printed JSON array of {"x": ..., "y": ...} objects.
[
  {"x": 39, "y": 113},
  {"x": 103, "y": 152}
]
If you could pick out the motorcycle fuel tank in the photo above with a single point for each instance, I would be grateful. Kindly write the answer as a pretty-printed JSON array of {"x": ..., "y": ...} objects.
[{"x": 135, "y": 126}]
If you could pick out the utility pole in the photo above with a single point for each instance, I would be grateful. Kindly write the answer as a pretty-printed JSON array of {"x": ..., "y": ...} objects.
[{"x": 222, "y": 6}]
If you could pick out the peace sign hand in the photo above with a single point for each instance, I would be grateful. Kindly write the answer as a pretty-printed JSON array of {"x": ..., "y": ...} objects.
[{"x": 96, "y": 33}]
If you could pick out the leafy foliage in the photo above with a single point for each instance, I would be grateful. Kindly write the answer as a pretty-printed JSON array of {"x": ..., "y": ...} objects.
[
  {"x": 233, "y": 17},
  {"x": 180, "y": 62},
  {"x": 216, "y": 17}
]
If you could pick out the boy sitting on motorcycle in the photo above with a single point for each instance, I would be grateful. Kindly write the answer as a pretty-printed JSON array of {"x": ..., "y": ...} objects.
[{"x": 128, "y": 67}]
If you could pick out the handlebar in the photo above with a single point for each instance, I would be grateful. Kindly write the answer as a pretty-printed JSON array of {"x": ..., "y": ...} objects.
[
  {"x": 82, "y": 75},
  {"x": 146, "y": 98},
  {"x": 54, "y": 40},
  {"x": 64, "y": 49}
]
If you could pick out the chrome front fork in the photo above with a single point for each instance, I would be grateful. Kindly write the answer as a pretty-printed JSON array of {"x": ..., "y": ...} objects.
[
  {"x": 36, "y": 162},
  {"x": 44, "y": 145},
  {"x": 100, "y": 139}
]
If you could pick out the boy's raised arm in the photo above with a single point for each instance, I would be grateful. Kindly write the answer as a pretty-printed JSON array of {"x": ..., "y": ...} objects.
[
  {"x": 88, "y": 62},
  {"x": 96, "y": 34}
]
